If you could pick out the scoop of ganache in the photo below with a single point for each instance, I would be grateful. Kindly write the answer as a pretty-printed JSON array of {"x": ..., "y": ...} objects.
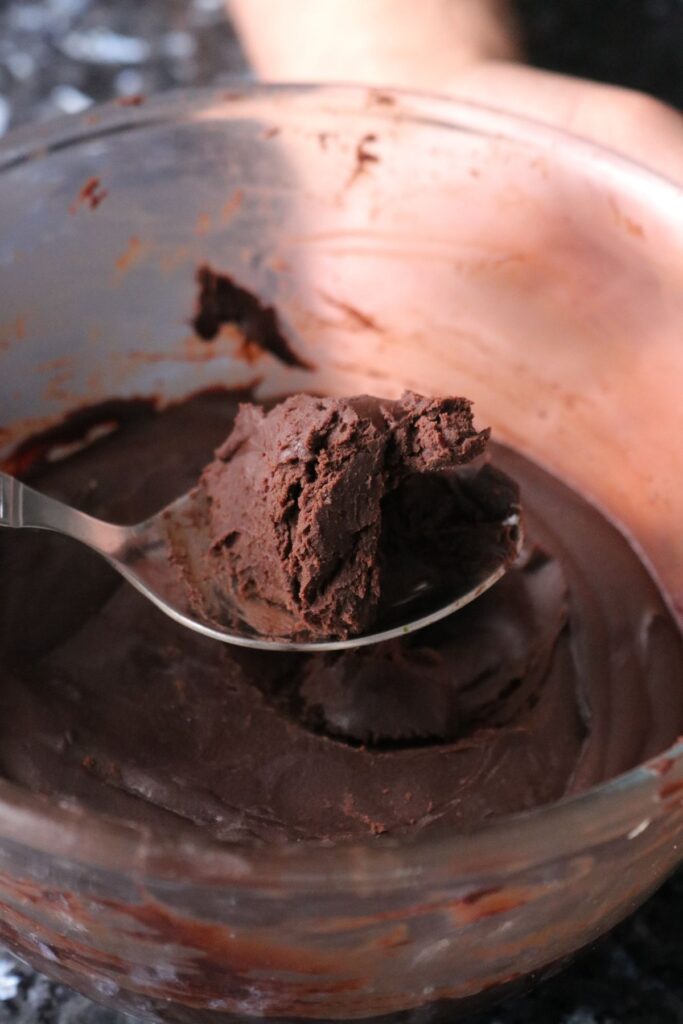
[{"x": 296, "y": 495}]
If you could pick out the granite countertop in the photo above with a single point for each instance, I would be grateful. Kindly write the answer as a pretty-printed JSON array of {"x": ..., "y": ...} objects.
[{"x": 59, "y": 56}]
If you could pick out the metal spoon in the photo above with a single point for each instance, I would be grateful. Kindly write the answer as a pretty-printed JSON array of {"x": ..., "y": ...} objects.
[{"x": 148, "y": 556}]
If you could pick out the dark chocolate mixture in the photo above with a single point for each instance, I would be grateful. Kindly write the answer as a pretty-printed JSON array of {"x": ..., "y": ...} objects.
[
  {"x": 222, "y": 301},
  {"x": 569, "y": 671},
  {"x": 297, "y": 497}
]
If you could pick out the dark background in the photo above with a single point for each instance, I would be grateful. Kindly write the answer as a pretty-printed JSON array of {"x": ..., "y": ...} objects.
[
  {"x": 59, "y": 56},
  {"x": 638, "y": 43}
]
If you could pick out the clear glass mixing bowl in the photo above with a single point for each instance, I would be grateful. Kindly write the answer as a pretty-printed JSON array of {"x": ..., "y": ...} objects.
[{"x": 406, "y": 241}]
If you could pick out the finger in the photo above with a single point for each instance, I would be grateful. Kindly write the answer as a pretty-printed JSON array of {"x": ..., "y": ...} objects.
[
  {"x": 374, "y": 42},
  {"x": 632, "y": 123}
]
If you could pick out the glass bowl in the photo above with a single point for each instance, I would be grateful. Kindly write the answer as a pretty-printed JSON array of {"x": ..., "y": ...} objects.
[{"x": 406, "y": 241}]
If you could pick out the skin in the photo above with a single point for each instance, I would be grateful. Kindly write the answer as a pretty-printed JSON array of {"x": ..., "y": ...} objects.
[{"x": 466, "y": 48}]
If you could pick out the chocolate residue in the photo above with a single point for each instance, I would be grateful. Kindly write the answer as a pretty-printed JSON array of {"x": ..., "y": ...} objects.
[
  {"x": 356, "y": 316},
  {"x": 364, "y": 156},
  {"x": 14, "y": 330},
  {"x": 130, "y": 255},
  {"x": 91, "y": 194},
  {"x": 34, "y": 453},
  {"x": 383, "y": 99},
  {"x": 232, "y": 205},
  {"x": 222, "y": 301},
  {"x": 135, "y": 100}
]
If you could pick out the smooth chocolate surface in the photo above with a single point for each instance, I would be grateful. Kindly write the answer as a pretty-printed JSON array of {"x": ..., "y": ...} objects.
[
  {"x": 567, "y": 672},
  {"x": 296, "y": 497}
]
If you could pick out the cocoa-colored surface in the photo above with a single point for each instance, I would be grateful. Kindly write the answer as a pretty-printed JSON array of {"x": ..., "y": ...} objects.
[
  {"x": 314, "y": 515},
  {"x": 559, "y": 677}
]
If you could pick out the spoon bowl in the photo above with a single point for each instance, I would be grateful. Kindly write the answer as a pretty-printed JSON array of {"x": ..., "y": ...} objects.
[{"x": 162, "y": 557}]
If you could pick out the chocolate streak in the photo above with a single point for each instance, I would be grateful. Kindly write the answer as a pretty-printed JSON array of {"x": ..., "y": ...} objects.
[{"x": 222, "y": 301}]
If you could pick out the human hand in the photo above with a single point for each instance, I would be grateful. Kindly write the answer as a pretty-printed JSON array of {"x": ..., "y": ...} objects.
[
  {"x": 465, "y": 48},
  {"x": 631, "y": 123}
]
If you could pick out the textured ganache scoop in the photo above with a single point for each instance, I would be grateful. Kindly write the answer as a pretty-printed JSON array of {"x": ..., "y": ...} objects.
[{"x": 296, "y": 494}]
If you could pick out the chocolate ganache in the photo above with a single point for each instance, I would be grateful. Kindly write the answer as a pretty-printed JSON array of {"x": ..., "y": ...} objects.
[{"x": 568, "y": 672}]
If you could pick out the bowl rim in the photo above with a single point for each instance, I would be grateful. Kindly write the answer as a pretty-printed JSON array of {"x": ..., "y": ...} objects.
[{"x": 548, "y": 833}]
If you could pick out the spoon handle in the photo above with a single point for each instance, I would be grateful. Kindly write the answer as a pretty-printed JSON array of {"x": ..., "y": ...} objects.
[
  {"x": 11, "y": 501},
  {"x": 22, "y": 507}
]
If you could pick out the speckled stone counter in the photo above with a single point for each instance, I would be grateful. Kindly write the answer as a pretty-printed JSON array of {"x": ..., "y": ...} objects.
[{"x": 59, "y": 56}]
